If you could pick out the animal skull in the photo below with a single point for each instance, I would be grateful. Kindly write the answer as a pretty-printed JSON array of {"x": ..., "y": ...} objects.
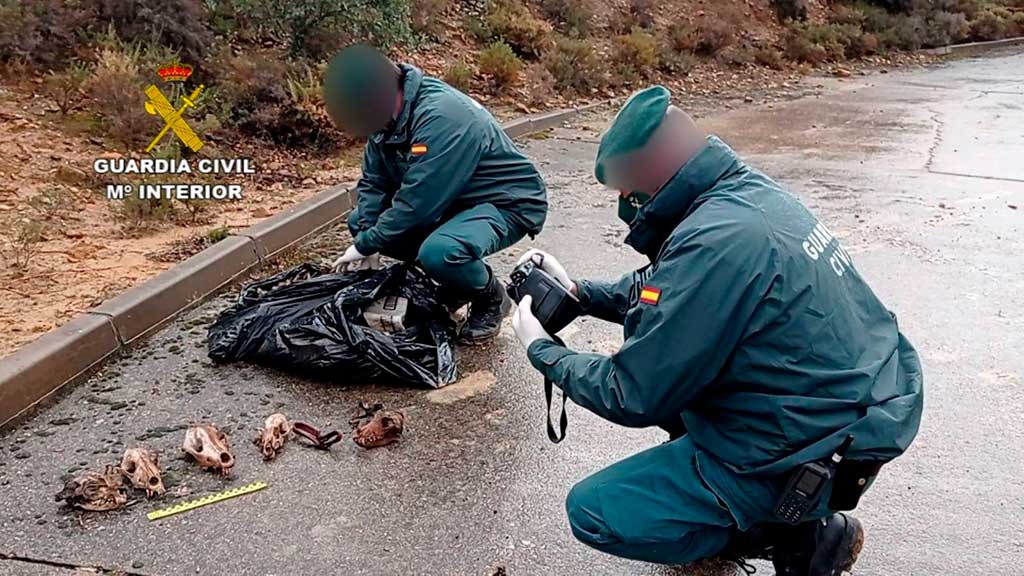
[
  {"x": 97, "y": 491},
  {"x": 142, "y": 467},
  {"x": 382, "y": 429},
  {"x": 271, "y": 440},
  {"x": 210, "y": 448}
]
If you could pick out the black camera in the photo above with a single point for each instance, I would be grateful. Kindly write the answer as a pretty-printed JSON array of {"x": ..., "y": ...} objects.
[{"x": 553, "y": 305}]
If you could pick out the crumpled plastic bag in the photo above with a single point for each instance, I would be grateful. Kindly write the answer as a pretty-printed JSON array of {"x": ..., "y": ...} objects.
[{"x": 311, "y": 322}]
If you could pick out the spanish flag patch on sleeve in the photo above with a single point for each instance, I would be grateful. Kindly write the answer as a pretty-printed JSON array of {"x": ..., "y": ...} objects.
[
  {"x": 650, "y": 295},
  {"x": 418, "y": 149}
]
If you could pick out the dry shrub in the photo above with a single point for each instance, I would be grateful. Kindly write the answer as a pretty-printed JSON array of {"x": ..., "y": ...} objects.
[
  {"x": 739, "y": 56},
  {"x": 790, "y": 10},
  {"x": 769, "y": 57},
  {"x": 459, "y": 75},
  {"x": 573, "y": 16},
  {"x": 499, "y": 62},
  {"x": 990, "y": 24},
  {"x": 510, "y": 21},
  {"x": 43, "y": 32},
  {"x": 1017, "y": 24},
  {"x": 115, "y": 89},
  {"x": 426, "y": 17},
  {"x": 798, "y": 46},
  {"x": 634, "y": 57},
  {"x": 641, "y": 13},
  {"x": 539, "y": 84},
  {"x": 272, "y": 99},
  {"x": 575, "y": 66},
  {"x": 177, "y": 24},
  {"x": 713, "y": 34},
  {"x": 675, "y": 61},
  {"x": 65, "y": 86}
]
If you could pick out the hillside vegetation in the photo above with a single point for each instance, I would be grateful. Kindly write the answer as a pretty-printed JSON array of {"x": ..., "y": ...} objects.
[{"x": 263, "y": 59}]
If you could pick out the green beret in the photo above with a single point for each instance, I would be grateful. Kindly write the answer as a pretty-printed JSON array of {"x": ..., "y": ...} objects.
[{"x": 633, "y": 126}]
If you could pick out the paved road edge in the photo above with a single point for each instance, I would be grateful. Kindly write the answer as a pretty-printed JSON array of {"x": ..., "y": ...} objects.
[
  {"x": 973, "y": 47},
  {"x": 42, "y": 368}
]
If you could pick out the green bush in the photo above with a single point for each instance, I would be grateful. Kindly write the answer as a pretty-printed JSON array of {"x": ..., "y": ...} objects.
[
  {"x": 574, "y": 65},
  {"x": 511, "y": 22},
  {"x": 634, "y": 57},
  {"x": 459, "y": 75},
  {"x": 500, "y": 63},
  {"x": 574, "y": 16}
]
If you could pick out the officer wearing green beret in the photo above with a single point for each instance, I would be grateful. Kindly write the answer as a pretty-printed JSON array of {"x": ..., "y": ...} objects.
[
  {"x": 442, "y": 183},
  {"x": 751, "y": 337}
]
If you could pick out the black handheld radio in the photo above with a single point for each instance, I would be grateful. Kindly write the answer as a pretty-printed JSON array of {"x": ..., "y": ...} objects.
[{"x": 805, "y": 486}]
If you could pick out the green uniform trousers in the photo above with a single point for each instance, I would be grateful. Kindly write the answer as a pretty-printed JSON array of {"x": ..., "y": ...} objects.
[
  {"x": 452, "y": 253},
  {"x": 652, "y": 506}
]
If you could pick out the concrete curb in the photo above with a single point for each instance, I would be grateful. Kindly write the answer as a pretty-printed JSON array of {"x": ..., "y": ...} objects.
[
  {"x": 66, "y": 355},
  {"x": 973, "y": 47}
]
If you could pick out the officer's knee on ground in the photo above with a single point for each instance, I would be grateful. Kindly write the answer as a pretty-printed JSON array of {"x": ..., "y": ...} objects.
[{"x": 585, "y": 516}]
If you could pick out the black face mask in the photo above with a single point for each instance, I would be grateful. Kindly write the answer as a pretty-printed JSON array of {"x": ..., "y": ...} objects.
[{"x": 630, "y": 205}]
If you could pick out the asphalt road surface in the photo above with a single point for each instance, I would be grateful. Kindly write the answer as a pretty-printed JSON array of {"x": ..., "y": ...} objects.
[{"x": 919, "y": 172}]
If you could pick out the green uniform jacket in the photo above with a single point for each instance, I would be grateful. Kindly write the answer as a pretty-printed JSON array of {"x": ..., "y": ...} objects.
[
  {"x": 756, "y": 329},
  {"x": 443, "y": 154}
]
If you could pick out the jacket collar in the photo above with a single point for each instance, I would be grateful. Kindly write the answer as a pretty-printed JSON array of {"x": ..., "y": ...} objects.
[
  {"x": 397, "y": 131},
  {"x": 660, "y": 216}
]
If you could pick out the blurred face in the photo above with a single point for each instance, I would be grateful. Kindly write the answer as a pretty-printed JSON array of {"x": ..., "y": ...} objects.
[{"x": 361, "y": 88}]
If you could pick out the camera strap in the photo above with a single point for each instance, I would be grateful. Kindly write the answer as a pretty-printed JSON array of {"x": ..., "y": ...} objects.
[{"x": 549, "y": 392}]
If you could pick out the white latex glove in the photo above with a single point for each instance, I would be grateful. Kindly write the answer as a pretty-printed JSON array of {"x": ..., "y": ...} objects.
[
  {"x": 347, "y": 259},
  {"x": 526, "y": 325},
  {"x": 549, "y": 264}
]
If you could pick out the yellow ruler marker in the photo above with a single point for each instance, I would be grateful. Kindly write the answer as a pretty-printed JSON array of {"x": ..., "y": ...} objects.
[{"x": 210, "y": 499}]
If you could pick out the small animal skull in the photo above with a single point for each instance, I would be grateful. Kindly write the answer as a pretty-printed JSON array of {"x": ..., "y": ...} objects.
[
  {"x": 96, "y": 491},
  {"x": 142, "y": 468},
  {"x": 271, "y": 440},
  {"x": 382, "y": 429},
  {"x": 209, "y": 447}
]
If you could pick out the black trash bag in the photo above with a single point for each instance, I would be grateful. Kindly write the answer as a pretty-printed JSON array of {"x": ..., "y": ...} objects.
[{"x": 311, "y": 322}]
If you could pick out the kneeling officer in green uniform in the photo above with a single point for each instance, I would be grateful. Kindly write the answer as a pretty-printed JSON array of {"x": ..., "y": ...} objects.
[
  {"x": 752, "y": 338},
  {"x": 442, "y": 183}
]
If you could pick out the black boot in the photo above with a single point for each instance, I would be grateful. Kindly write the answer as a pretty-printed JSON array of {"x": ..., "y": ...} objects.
[
  {"x": 825, "y": 547},
  {"x": 486, "y": 310},
  {"x": 758, "y": 543}
]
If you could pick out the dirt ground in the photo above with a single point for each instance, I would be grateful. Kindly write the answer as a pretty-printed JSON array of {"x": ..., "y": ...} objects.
[{"x": 89, "y": 251}]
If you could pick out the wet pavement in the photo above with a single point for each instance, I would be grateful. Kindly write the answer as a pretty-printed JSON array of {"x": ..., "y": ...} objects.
[{"x": 920, "y": 173}]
